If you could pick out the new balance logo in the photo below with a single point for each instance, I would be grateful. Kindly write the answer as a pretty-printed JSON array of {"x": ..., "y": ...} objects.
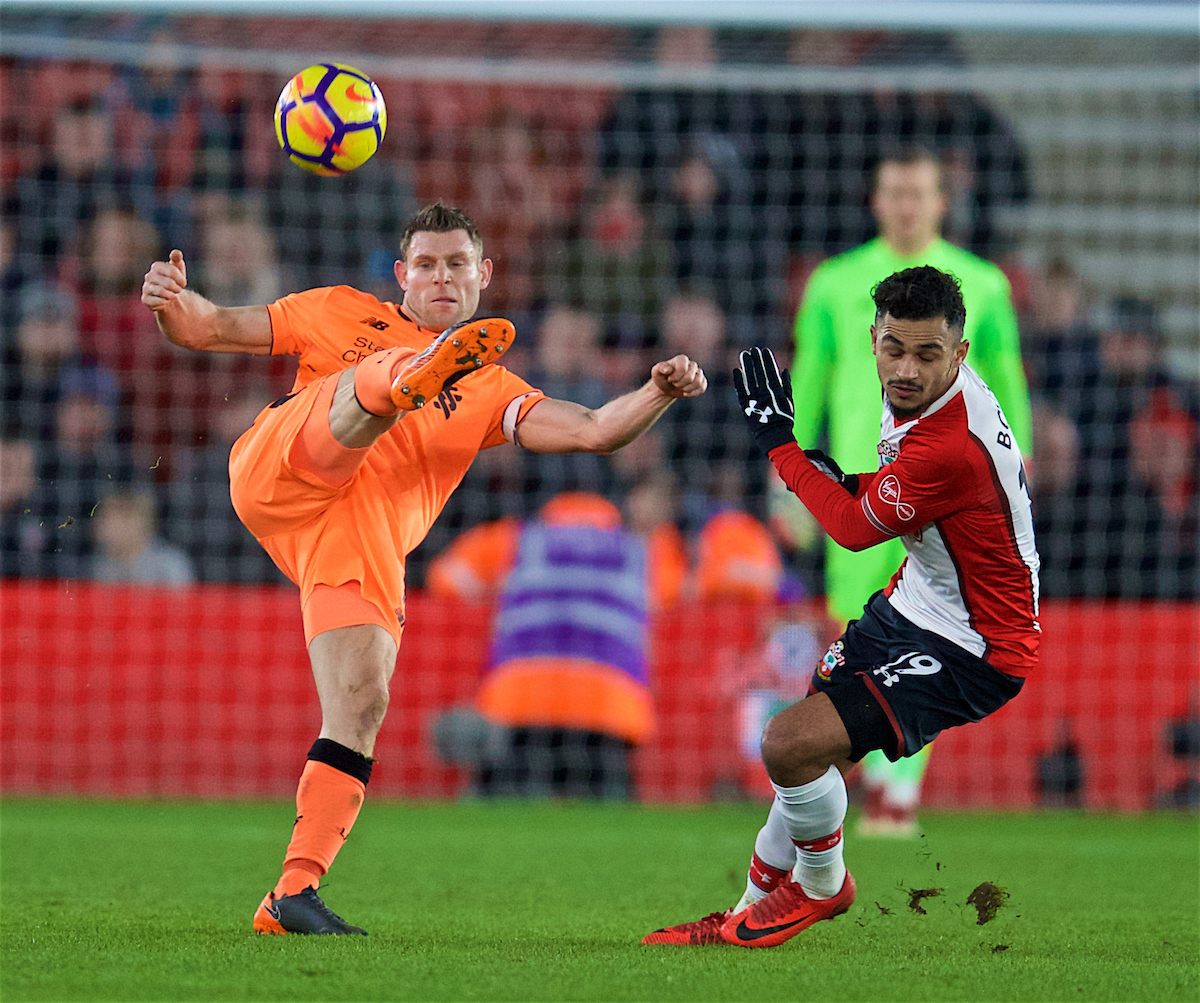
[
  {"x": 375, "y": 322},
  {"x": 447, "y": 401}
]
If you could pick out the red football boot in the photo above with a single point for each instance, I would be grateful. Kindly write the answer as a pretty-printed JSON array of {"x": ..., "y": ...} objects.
[
  {"x": 694, "y": 934},
  {"x": 783, "y": 914}
]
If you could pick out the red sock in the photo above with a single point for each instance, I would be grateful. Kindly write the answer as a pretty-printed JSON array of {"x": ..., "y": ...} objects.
[
  {"x": 327, "y": 805},
  {"x": 767, "y": 878}
]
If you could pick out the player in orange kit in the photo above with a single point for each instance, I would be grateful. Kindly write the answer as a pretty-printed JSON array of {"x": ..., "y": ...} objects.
[{"x": 338, "y": 489}]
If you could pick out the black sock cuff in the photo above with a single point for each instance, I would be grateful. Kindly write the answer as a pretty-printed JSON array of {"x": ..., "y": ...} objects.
[{"x": 329, "y": 752}]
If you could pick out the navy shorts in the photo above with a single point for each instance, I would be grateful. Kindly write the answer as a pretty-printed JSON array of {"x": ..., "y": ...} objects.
[{"x": 897, "y": 686}]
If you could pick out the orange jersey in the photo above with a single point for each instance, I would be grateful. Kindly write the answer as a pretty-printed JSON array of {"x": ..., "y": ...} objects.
[
  {"x": 361, "y": 530},
  {"x": 336, "y": 327}
]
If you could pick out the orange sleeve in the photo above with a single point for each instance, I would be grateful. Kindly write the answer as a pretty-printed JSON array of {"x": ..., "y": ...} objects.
[
  {"x": 292, "y": 316},
  {"x": 476, "y": 562},
  {"x": 512, "y": 390}
]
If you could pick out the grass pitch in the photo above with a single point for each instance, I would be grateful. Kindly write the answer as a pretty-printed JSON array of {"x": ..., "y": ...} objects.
[{"x": 152, "y": 901}]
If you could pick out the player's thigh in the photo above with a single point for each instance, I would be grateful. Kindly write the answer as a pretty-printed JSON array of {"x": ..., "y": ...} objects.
[
  {"x": 897, "y": 687},
  {"x": 271, "y": 493}
]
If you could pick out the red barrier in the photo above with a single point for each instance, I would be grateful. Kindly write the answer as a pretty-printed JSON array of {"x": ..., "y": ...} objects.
[{"x": 124, "y": 690}]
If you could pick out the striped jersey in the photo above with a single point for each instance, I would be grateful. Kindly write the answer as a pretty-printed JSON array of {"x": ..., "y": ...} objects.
[{"x": 951, "y": 484}]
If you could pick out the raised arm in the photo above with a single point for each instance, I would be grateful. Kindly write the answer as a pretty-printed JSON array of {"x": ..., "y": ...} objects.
[
  {"x": 190, "y": 321},
  {"x": 558, "y": 426}
]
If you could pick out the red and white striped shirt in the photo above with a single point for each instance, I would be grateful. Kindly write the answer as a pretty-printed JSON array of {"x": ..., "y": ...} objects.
[{"x": 952, "y": 485}]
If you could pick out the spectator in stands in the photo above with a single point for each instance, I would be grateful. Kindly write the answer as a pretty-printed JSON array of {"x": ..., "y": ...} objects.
[
  {"x": 12, "y": 278},
  {"x": 200, "y": 518},
  {"x": 128, "y": 547},
  {"x": 23, "y": 539},
  {"x": 1060, "y": 346},
  {"x": 693, "y": 154},
  {"x": 717, "y": 238},
  {"x": 46, "y": 346},
  {"x": 614, "y": 262},
  {"x": 80, "y": 178},
  {"x": 709, "y": 449},
  {"x": 651, "y": 509},
  {"x": 567, "y": 359},
  {"x": 1136, "y": 508},
  {"x": 567, "y": 678},
  {"x": 737, "y": 558},
  {"x": 328, "y": 233},
  {"x": 114, "y": 245},
  {"x": 509, "y": 183},
  {"x": 239, "y": 263},
  {"x": 1061, "y": 352},
  {"x": 159, "y": 102},
  {"x": 77, "y": 470}
]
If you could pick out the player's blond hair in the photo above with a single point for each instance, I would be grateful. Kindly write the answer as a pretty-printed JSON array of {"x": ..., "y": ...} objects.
[{"x": 440, "y": 218}]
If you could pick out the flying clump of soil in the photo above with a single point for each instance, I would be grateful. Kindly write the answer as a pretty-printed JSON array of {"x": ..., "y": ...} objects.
[{"x": 987, "y": 899}]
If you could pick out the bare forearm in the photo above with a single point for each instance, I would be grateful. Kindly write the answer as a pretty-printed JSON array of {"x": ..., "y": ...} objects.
[
  {"x": 189, "y": 321},
  {"x": 558, "y": 426},
  {"x": 621, "y": 421}
]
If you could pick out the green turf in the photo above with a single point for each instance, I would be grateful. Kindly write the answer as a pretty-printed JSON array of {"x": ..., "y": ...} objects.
[{"x": 152, "y": 901}]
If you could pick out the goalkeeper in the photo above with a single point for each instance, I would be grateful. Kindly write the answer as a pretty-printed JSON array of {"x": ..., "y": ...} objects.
[{"x": 834, "y": 379}]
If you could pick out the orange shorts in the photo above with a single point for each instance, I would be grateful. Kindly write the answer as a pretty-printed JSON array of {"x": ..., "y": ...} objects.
[{"x": 317, "y": 509}]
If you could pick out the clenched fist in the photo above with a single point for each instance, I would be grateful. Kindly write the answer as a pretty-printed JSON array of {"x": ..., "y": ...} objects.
[
  {"x": 679, "y": 377},
  {"x": 164, "y": 281}
]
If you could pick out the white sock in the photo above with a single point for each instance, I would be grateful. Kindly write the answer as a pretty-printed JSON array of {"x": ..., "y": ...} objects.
[
  {"x": 813, "y": 814},
  {"x": 774, "y": 847}
]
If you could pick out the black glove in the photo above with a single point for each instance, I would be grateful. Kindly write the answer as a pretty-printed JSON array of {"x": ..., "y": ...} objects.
[
  {"x": 828, "y": 466},
  {"x": 765, "y": 397}
]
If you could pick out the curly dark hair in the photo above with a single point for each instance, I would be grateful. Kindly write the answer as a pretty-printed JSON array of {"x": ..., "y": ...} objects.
[
  {"x": 921, "y": 293},
  {"x": 440, "y": 218}
]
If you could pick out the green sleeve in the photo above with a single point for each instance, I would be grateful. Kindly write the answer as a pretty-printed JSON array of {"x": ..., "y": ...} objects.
[
  {"x": 997, "y": 359},
  {"x": 813, "y": 362}
]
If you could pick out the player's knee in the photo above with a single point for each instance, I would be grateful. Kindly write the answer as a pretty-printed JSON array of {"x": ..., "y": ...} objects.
[
  {"x": 789, "y": 753},
  {"x": 372, "y": 703}
]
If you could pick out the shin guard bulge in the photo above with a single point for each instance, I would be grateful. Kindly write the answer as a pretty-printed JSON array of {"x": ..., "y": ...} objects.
[
  {"x": 328, "y": 800},
  {"x": 813, "y": 814}
]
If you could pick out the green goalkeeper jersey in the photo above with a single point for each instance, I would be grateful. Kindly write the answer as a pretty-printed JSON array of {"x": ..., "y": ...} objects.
[{"x": 834, "y": 381}]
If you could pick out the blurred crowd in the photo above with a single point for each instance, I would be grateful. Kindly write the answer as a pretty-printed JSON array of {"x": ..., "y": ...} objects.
[{"x": 625, "y": 226}]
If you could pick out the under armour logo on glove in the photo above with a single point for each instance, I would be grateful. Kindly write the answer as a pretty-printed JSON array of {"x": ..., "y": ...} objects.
[
  {"x": 764, "y": 414},
  {"x": 765, "y": 396}
]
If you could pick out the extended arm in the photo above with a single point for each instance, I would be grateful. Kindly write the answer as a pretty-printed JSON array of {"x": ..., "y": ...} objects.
[
  {"x": 190, "y": 321},
  {"x": 558, "y": 426}
]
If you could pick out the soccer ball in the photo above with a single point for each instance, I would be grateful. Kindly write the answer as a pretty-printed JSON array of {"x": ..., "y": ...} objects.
[{"x": 330, "y": 119}]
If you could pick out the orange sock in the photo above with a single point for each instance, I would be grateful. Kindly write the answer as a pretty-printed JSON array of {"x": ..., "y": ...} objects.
[
  {"x": 327, "y": 805},
  {"x": 374, "y": 376}
]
